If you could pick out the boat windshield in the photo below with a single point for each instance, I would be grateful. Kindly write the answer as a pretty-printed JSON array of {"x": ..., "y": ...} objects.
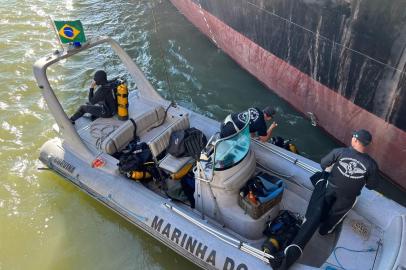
[{"x": 231, "y": 150}]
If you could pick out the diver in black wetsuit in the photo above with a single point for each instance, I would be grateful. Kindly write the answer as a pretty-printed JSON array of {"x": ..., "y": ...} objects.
[
  {"x": 335, "y": 194},
  {"x": 236, "y": 121},
  {"x": 102, "y": 103}
]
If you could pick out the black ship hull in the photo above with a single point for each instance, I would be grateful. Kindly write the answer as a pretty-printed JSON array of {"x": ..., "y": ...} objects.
[{"x": 322, "y": 58}]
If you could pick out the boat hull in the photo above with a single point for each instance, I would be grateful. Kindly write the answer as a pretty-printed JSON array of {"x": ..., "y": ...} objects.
[
  {"x": 193, "y": 235},
  {"x": 204, "y": 244},
  {"x": 336, "y": 114},
  {"x": 148, "y": 211}
]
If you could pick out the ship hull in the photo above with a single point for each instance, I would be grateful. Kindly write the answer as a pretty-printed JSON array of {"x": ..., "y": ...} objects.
[{"x": 336, "y": 114}]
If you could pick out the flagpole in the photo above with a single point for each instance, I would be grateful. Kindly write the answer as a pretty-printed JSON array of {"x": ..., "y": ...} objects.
[{"x": 56, "y": 32}]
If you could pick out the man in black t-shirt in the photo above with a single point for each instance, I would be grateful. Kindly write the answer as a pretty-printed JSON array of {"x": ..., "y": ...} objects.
[
  {"x": 102, "y": 103},
  {"x": 335, "y": 193},
  {"x": 352, "y": 169},
  {"x": 257, "y": 125}
]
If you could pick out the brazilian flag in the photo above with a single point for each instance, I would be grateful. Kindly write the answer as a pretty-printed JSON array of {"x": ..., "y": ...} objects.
[{"x": 70, "y": 31}]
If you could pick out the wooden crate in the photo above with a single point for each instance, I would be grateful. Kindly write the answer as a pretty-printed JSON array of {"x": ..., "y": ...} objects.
[{"x": 257, "y": 211}]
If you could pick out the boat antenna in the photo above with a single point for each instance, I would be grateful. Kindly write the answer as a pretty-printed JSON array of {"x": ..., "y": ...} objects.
[{"x": 162, "y": 56}]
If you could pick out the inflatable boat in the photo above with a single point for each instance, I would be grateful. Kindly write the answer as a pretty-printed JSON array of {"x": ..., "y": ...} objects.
[{"x": 220, "y": 232}]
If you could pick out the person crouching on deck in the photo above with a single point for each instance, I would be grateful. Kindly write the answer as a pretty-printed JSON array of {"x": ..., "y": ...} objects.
[
  {"x": 257, "y": 125},
  {"x": 102, "y": 103}
]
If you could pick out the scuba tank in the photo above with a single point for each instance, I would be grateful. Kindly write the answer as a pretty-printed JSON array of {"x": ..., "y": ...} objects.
[
  {"x": 139, "y": 175},
  {"x": 293, "y": 148},
  {"x": 122, "y": 101},
  {"x": 182, "y": 172},
  {"x": 284, "y": 143},
  {"x": 271, "y": 246}
]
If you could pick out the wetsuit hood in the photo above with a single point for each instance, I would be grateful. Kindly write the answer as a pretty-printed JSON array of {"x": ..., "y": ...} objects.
[{"x": 100, "y": 77}]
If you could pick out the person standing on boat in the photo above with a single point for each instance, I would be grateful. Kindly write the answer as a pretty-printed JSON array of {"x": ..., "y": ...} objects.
[
  {"x": 352, "y": 169},
  {"x": 102, "y": 103},
  {"x": 257, "y": 126},
  {"x": 335, "y": 193}
]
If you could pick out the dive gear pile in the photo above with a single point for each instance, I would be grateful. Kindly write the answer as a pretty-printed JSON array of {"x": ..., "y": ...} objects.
[
  {"x": 280, "y": 234},
  {"x": 136, "y": 162},
  {"x": 260, "y": 194}
]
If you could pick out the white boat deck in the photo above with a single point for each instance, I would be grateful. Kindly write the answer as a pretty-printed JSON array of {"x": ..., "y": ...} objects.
[{"x": 318, "y": 249}]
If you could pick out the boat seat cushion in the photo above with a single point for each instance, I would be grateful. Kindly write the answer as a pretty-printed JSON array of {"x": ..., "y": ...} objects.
[
  {"x": 161, "y": 141},
  {"x": 173, "y": 164},
  {"x": 120, "y": 137}
]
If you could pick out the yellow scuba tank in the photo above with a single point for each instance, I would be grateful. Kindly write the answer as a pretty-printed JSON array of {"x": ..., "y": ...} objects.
[
  {"x": 182, "y": 172},
  {"x": 122, "y": 101},
  {"x": 139, "y": 175},
  {"x": 293, "y": 148},
  {"x": 271, "y": 246}
]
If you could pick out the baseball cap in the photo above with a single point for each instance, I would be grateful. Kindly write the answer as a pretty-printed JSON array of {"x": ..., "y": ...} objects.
[
  {"x": 363, "y": 136},
  {"x": 268, "y": 110},
  {"x": 100, "y": 77}
]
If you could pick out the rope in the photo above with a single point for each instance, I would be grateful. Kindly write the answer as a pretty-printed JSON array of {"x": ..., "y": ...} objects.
[
  {"x": 163, "y": 119},
  {"x": 324, "y": 38},
  {"x": 351, "y": 250},
  {"x": 376, "y": 254},
  {"x": 100, "y": 131}
]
